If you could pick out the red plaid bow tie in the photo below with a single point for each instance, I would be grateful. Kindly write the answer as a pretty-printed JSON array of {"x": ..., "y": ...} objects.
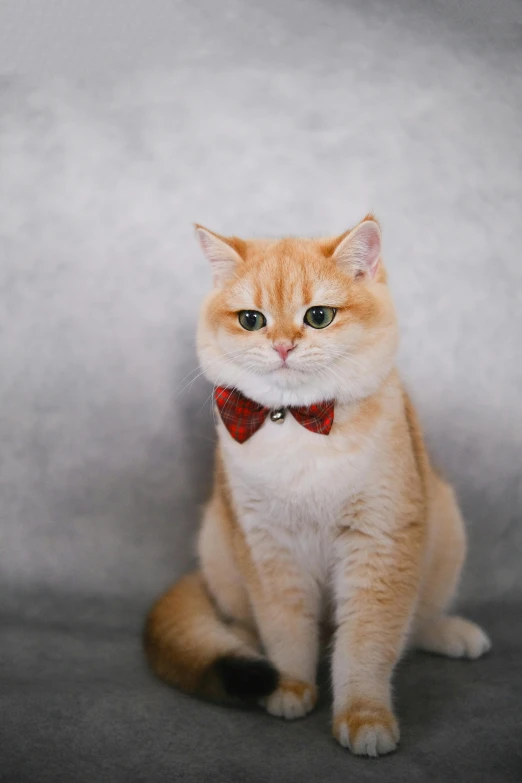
[{"x": 243, "y": 417}]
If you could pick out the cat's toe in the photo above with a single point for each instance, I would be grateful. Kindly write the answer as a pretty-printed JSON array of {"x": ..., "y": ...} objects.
[
  {"x": 454, "y": 637},
  {"x": 367, "y": 731},
  {"x": 292, "y": 699},
  {"x": 469, "y": 641}
]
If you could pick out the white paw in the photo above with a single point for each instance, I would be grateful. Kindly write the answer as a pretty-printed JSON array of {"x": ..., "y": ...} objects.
[
  {"x": 367, "y": 732},
  {"x": 292, "y": 699},
  {"x": 454, "y": 637}
]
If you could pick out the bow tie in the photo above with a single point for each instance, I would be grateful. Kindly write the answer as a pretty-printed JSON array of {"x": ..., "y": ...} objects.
[{"x": 243, "y": 417}]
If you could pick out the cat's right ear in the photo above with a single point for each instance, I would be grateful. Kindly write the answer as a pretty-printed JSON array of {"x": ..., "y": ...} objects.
[
  {"x": 359, "y": 250},
  {"x": 222, "y": 256}
]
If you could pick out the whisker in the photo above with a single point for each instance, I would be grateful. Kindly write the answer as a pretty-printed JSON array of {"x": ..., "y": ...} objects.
[
  {"x": 247, "y": 370},
  {"x": 189, "y": 383}
]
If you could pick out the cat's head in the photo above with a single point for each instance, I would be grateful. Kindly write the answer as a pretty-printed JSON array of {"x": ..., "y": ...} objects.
[{"x": 298, "y": 321}]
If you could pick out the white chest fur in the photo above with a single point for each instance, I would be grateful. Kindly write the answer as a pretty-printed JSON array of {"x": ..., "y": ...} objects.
[{"x": 295, "y": 485}]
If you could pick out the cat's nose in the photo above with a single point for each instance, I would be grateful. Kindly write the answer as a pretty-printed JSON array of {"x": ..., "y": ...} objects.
[{"x": 283, "y": 349}]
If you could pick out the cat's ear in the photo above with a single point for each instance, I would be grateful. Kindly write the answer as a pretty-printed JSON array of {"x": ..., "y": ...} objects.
[
  {"x": 359, "y": 251},
  {"x": 223, "y": 257}
]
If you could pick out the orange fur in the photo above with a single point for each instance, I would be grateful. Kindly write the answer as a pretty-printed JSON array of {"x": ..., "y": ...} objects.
[{"x": 355, "y": 528}]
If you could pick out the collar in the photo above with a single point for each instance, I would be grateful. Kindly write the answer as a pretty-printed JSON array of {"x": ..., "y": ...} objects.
[{"x": 243, "y": 417}]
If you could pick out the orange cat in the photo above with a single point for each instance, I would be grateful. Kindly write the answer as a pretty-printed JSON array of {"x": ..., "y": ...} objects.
[{"x": 325, "y": 505}]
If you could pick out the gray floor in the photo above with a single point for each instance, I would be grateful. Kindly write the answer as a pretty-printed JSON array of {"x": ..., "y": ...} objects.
[{"x": 121, "y": 124}]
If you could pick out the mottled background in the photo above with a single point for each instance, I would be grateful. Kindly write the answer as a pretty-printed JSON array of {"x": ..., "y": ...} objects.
[{"x": 124, "y": 121}]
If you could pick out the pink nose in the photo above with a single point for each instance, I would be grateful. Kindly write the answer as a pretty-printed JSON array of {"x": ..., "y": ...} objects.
[{"x": 283, "y": 349}]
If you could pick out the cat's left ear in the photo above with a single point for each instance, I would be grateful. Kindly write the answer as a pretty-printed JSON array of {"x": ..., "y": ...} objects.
[
  {"x": 358, "y": 253},
  {"x": 222, "y": 252}
]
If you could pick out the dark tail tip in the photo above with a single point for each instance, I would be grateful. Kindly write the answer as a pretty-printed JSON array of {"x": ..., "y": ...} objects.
[{"x": 246, "y": 678}]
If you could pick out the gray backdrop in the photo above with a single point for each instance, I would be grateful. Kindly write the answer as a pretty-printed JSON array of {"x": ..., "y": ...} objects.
[
  {"x": 123, "y": 122},
  {"x": 133, "y": 122}
]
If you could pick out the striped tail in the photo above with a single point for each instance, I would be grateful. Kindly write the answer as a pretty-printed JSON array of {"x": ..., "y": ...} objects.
[{"x": 188, "y": 645}]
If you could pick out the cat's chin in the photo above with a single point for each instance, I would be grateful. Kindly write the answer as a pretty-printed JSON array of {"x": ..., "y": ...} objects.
[
  {"x": 294, "y": 386},
  {"x": 285, "y": 388}
]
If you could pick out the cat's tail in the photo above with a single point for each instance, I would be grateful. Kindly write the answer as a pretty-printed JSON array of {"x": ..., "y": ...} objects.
[{"x": 189, "y": 646}]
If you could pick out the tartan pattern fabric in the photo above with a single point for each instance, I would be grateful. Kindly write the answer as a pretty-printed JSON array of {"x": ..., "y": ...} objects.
[
  {"x": 316, "y": 418},
  {"x": 243, "y": 417}
]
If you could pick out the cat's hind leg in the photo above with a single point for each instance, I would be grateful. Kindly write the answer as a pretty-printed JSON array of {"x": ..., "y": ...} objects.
[
  {"x": 435, "y": 630},
  {"x": 221, "y": 574}
]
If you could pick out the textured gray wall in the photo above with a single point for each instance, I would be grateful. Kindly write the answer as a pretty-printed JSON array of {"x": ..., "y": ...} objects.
[{"x": 123, "y": 122}]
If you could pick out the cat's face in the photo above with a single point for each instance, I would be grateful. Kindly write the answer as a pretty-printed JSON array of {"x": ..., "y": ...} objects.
[{"x": 298, "y": 321}]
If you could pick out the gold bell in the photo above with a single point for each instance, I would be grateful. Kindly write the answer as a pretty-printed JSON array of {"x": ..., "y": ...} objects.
[{"x": 278, "y": 416}]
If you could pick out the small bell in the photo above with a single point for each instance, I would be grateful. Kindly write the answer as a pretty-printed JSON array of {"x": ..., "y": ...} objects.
[{"x": 278, "y": 415}]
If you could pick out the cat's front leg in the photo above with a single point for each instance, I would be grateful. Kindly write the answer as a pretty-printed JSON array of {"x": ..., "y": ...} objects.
[
  {"x": 286, "y": 604},
  {"x": 376, "y": 585}
]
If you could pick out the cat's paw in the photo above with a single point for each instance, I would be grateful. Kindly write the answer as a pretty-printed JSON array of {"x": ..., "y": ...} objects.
[
  {"x": 454, "y": 637},
  {"x": 367, "y": 730},
  {"x": 292, "y": 699}
]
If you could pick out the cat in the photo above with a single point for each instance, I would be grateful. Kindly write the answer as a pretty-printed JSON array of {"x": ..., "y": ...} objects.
[{"x": 325, "y": 503}]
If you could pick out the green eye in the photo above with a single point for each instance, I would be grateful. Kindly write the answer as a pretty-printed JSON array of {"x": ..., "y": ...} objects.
[
  {"x": 251, "y": 320},
  {"x": 320, "y": 316}
]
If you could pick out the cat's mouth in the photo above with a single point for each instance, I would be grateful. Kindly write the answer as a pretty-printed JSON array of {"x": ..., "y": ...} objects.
[{"x": 286, "y": 368}]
